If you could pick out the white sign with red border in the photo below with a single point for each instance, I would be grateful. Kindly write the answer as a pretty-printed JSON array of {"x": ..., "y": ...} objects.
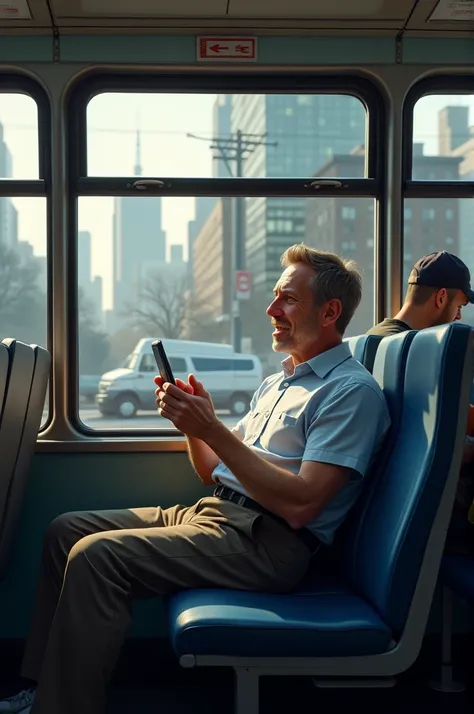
[
  {"x": 243, "y": 284},
  {"x": 227, "y": 49}
]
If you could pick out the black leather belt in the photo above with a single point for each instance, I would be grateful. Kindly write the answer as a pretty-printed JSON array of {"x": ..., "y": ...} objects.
[{"x": 311, "y": 541}]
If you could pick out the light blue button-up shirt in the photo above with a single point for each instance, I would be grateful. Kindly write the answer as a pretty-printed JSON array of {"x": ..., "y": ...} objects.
[{"x": 329, "y": 409}]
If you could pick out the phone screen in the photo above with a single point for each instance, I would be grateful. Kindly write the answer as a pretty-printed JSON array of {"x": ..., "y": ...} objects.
[{"x": 162, "y": 362}]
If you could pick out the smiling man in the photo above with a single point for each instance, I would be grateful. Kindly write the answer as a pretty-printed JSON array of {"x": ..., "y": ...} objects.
[{"x": 285, "y": 478}]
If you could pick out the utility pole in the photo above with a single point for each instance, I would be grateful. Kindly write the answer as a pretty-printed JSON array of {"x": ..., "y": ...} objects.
[{"x": 234, "y": 150}]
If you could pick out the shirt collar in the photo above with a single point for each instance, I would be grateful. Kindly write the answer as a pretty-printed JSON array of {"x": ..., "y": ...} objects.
[{"x": 322, "y": 364}]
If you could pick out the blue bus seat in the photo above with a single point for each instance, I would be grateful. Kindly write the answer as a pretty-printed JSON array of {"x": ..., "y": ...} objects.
[
  {"x": 367, "y": 622},
  {"x": 364, "y": 349},
  {"x": 389, "y": 371},
  {"x": 23, "y": 407}
]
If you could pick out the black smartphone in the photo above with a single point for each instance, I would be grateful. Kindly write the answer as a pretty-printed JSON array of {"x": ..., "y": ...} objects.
[{"x": 162, "y": 361}]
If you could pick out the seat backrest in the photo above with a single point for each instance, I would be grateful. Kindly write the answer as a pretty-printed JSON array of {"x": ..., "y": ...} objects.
[
  {"x": 404, "y": 528},
  {"x": 389, "y": 371},
  {"x": 12, "y": 494},
  {"x": 364, "y": 349}
]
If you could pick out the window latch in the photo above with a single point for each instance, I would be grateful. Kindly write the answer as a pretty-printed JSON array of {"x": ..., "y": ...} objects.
[
  {"x": 143, "y": 184},
  {"x": 323, "y": 183}
]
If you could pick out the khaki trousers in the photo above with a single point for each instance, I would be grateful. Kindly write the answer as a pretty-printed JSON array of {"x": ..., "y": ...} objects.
[{"x": 94, "y": 563}]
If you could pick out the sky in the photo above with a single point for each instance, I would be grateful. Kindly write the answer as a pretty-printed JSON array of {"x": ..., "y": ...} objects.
[{"x": 164, "y": 121}]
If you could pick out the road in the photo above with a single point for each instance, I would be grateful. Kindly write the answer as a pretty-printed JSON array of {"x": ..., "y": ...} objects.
[{"x": 143, "y": 420}]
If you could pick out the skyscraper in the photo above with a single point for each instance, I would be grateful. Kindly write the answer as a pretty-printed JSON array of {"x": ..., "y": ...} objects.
[
  {"x": 221, "y": 128},
  {"x": 300, "y": 133},
  {"x": 456, "y": 138},
  {"x": 84, "y": 258},
  {"x": 139, "y": 244},
  {"x": 346, "y": 225},
  {"x": 8, "y": 212}
]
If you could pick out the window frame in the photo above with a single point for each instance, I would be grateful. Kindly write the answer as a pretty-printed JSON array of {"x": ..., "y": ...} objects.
[
  {"x": 225, "y": 82},
  {"x": 17, "y": 83},
  {"x": 445, "y": 84}
]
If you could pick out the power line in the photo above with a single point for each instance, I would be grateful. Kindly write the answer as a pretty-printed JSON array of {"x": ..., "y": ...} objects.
[{"x": 233, "y": 151}]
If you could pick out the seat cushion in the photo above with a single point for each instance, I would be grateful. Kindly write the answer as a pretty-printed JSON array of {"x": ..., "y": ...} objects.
[
  {"x": 321, "y": 620},
  {"x": 457, "y": 573}
]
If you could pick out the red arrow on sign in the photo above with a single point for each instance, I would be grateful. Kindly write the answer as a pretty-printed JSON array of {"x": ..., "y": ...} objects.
[
  {"x": 226, "y": 49},
  {"x": 218, "y": 48}
]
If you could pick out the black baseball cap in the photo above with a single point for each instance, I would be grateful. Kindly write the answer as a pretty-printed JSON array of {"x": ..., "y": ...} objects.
[{"x": 442, "y": 270}]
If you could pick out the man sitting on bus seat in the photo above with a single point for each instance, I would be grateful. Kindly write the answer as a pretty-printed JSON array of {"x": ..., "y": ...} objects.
[
  {"x": 286, "y": 477},
  {"x": 438, "y": 288}
]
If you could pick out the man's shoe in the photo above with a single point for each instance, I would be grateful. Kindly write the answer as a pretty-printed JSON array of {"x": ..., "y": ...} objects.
[{"x": 20, "y": 703}]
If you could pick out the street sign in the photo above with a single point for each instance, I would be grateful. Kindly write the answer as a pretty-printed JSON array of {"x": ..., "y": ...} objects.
[
  {"x": 243, "y": 284},
  {"x": 227, "y": 49}
]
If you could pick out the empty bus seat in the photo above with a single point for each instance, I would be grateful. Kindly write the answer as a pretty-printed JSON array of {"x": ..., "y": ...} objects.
[
  {"x": 364, "y": 348},
  {"x": 20, "y": 422},
  {"x": 378, "y": 604}
]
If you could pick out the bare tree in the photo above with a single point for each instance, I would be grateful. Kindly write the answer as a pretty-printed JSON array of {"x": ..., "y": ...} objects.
[
  {"x": 164, "y": 305},
  {"x": 160, "y": 307}
]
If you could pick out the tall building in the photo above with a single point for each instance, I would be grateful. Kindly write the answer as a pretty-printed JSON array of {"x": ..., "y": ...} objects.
[
  {"x": 456, "y": 138},
  {"x": 8, "y": 212},
  {"x": 453, "y": 128},
  {"x": 84, "y": 259},
  {"x": 299, "y": 133},
  {"x": 208, "y": 314},
  {"x": 96, "y": 293},
  {"x": 221, "y": 129},
  {"x": 139, "y": 246},
  {"x": 91, "y": 288},
  {"x": 346, "y": 225},
  {"x": 177, "y": 264},
  {"x": 203, "y": 208}
]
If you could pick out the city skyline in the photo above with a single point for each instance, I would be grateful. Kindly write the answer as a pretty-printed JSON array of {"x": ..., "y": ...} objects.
[{"x": 166, "y": 148}]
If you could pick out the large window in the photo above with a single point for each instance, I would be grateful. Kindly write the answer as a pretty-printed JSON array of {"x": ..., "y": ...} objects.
[
  {"x": 170, "y": 135},
  {"x": 451, "y": 229},
  {"x": 179, "y": 191},
  {"x": 439, "y": 166},
  {"x": 443, "y": 138},
  {"x": 23, "y": 222}
]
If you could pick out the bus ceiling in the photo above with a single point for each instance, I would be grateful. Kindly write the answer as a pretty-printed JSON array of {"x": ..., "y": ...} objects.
[{"x": 379, "y": 17}]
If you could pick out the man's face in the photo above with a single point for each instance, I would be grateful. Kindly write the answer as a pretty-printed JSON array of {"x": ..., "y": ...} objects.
[
  {"x": 448, "y": 309},
  {"x": 294, "y": 315}
]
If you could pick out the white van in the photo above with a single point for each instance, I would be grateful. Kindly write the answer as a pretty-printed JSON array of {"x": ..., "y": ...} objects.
[{"x": 230, "y": 378}]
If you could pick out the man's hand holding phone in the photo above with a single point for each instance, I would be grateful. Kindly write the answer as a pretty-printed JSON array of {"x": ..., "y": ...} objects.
[{"x": 187, "y": 405}]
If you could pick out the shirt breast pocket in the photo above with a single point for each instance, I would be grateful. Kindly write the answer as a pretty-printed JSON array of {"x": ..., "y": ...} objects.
[
  {"x": 284, "y": 436},
  {"x": 287, "y": 419}
]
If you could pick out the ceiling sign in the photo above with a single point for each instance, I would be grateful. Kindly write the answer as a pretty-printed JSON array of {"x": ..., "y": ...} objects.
[
  {"x": 227, "y": 49},
  {"x": 454, "y": 11},
  {"x": 15, "y": 10}
]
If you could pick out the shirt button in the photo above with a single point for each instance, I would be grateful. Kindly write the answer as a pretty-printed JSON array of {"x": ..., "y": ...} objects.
[
  {"x": 286, "y": 384},
  {"x": 267, "y": 415}
]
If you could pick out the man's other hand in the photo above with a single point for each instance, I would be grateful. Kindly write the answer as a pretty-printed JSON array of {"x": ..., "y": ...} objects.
[{"x": 188, "y": 406}]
